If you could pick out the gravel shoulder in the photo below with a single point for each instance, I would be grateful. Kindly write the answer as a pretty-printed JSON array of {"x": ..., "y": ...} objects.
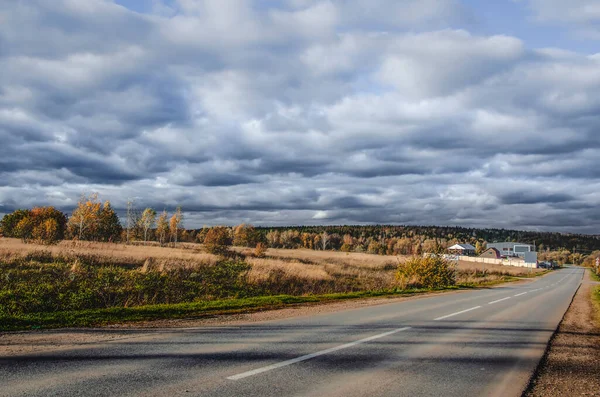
[{"x": 571, "y": 366}]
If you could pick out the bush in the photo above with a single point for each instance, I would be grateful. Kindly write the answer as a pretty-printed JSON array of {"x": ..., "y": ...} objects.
[
  {"x": 432, "y": 271},
  {"x": 260, "y": 251}
]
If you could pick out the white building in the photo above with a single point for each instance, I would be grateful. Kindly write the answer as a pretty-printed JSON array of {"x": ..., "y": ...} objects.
[
  {"x": 509, "y": 249},
  {"x": 462, "y": 249}
]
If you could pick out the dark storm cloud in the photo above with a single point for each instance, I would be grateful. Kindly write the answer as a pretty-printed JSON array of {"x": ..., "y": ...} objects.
[
  {"x": 300, "y": 112},
  {"x": 532, "y": 197},
  {"x": 224, "y": 179}
]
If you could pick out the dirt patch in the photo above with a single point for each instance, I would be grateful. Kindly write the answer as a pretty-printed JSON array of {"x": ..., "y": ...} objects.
[{"x": 572, "y": 364}]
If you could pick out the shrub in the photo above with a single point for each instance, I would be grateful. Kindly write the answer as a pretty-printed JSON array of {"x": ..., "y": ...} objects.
[
  {"x": 260, "y": 250},
  {"x": 432, "y": 271}
]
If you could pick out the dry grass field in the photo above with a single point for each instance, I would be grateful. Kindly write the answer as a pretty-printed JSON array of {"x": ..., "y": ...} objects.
[
  {"x": 66, "y": 284},
  {"x": 377, "y": 271},
  {"x": 113, "y": 253}
]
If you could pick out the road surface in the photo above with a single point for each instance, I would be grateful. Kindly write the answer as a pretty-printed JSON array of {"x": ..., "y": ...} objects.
[{"x": 473, "y": 343}]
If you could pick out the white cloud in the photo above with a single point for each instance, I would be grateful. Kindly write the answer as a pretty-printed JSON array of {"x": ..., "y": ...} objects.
[
  {"x": 582, "y": 15},
  {"x": 440, "y": 63},
  {"x": 298, "y": 113}
]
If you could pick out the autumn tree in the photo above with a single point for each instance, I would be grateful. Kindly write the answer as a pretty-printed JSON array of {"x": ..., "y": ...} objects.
[
  {"x": 162, "y": 227},
  {"x": 109, "y": 225},
  {"x": 217, "y": 240},
  {"x": 147, "y": 221},
  {"x": 85, "y": 217},
  {"x": 132, "y": 220},
  {"x": 202, "y": 234},
  {"x": 348, "y": 243},
  {"x": 175, "y": 225},
  {"x": 49, "y": 224},
  {"x": 480, "y": 247},
  {"x": 324, "y": 240},
  {"x": 24, "y": 229},
  {"x": 8, "y": 224},
  {"x": 241, "y": 234},
  {"x": 274, "y": 238},
  {"x": 290, "y": 239},
  {"x": 44, "y": 225},
  {"x": 307, "y": 240}
]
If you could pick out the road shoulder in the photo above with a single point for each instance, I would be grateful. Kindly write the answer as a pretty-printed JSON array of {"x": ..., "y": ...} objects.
[
  {"x": 40, "y": 341},
  {"x": 571, "y": 366}
]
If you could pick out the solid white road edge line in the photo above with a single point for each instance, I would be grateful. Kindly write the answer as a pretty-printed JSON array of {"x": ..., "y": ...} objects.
[
  {"x": 455, "y": 314},
  {"x": 312, "y": 355},
  {"x": 522, "y": 293},
  {"x": 499, "y": 300}
]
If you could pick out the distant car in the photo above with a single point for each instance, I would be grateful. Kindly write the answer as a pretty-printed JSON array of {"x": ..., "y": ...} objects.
[{"x": 547, "y": 265}]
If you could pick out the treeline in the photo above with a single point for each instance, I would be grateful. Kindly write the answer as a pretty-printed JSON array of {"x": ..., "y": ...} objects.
[
  {"x": 325, "y": 240},
  {"x": 400, "y": 240},
  {"x": 91, "y": 220},
  {"x": 543, "y": 240},
  {"x": 97, "y": 221}
]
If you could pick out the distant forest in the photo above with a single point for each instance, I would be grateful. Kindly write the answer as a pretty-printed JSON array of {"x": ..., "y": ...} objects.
[
  {"x": 580, "y": 243},
  {"x": 94, "y": 220}
]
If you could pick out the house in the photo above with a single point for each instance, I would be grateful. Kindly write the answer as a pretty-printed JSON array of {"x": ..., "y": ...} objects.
[
  {"x": 512, "y": 249},
  {"x": 491, "y": 253},
  {"x": 462, "y": 249}
]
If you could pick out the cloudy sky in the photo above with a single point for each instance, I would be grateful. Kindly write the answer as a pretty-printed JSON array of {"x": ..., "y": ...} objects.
[{"x": 449, "y": 112}]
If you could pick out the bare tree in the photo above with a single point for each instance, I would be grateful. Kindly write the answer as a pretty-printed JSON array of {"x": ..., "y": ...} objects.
[
  {"x": 324, "y": 240},
  {"x": 162, "y": 227},
  {"x": 147, "y": 221},
  {"x": 129, "y": 218},
  {"x": 175, "y": 224}
]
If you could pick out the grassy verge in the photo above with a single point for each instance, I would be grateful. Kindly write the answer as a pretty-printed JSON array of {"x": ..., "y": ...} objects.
[
  {"x": 98, "y": 317},
  {"x": 596, "y": 296},
  {"x": 593, "y": 275},
  {"x": 118, "y": 315}
]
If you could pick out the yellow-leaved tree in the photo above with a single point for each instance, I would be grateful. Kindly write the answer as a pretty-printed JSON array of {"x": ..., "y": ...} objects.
[
  {"x": 85, "y": 217},
  {"x": 162, "y": 228},
  {"x": 175, "y": 225},
  {"x": 147, "y": 221}
]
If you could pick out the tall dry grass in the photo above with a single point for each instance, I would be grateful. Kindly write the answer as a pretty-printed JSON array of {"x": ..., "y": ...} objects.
[
  {"x": 298, "y": 271},
  {"x": 112, "y": 253}
]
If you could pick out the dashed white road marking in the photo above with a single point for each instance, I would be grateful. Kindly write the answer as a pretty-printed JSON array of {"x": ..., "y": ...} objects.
[
  {"x": 312, "y": 355},
  {"x": 522, "y": 293},
  {"x": 455, "y": 314},
  {"x": 499, "y": 300}
]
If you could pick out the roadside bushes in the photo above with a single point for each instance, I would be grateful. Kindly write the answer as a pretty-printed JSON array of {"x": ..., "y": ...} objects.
[{"x": 431, "y": 271}]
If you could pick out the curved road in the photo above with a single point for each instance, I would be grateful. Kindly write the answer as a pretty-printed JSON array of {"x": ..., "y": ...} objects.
[{"x": 474, "y": 343}]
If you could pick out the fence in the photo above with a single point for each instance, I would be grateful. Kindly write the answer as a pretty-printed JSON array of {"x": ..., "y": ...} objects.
[{"x": 505, "y": 262}]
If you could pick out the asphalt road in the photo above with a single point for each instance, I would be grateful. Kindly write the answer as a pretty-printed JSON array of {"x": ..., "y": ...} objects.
[{"x": 474, "y": 343}]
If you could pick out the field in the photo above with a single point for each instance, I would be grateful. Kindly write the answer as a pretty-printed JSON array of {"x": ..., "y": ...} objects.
[{"x": 79, "y": 276}]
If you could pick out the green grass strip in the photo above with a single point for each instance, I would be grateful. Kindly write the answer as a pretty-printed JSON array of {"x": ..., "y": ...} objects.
[
  {"x": 595, "y": 277},
  {"x": 118, "y": 315},
  {"x": 98, "y": 317}
]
